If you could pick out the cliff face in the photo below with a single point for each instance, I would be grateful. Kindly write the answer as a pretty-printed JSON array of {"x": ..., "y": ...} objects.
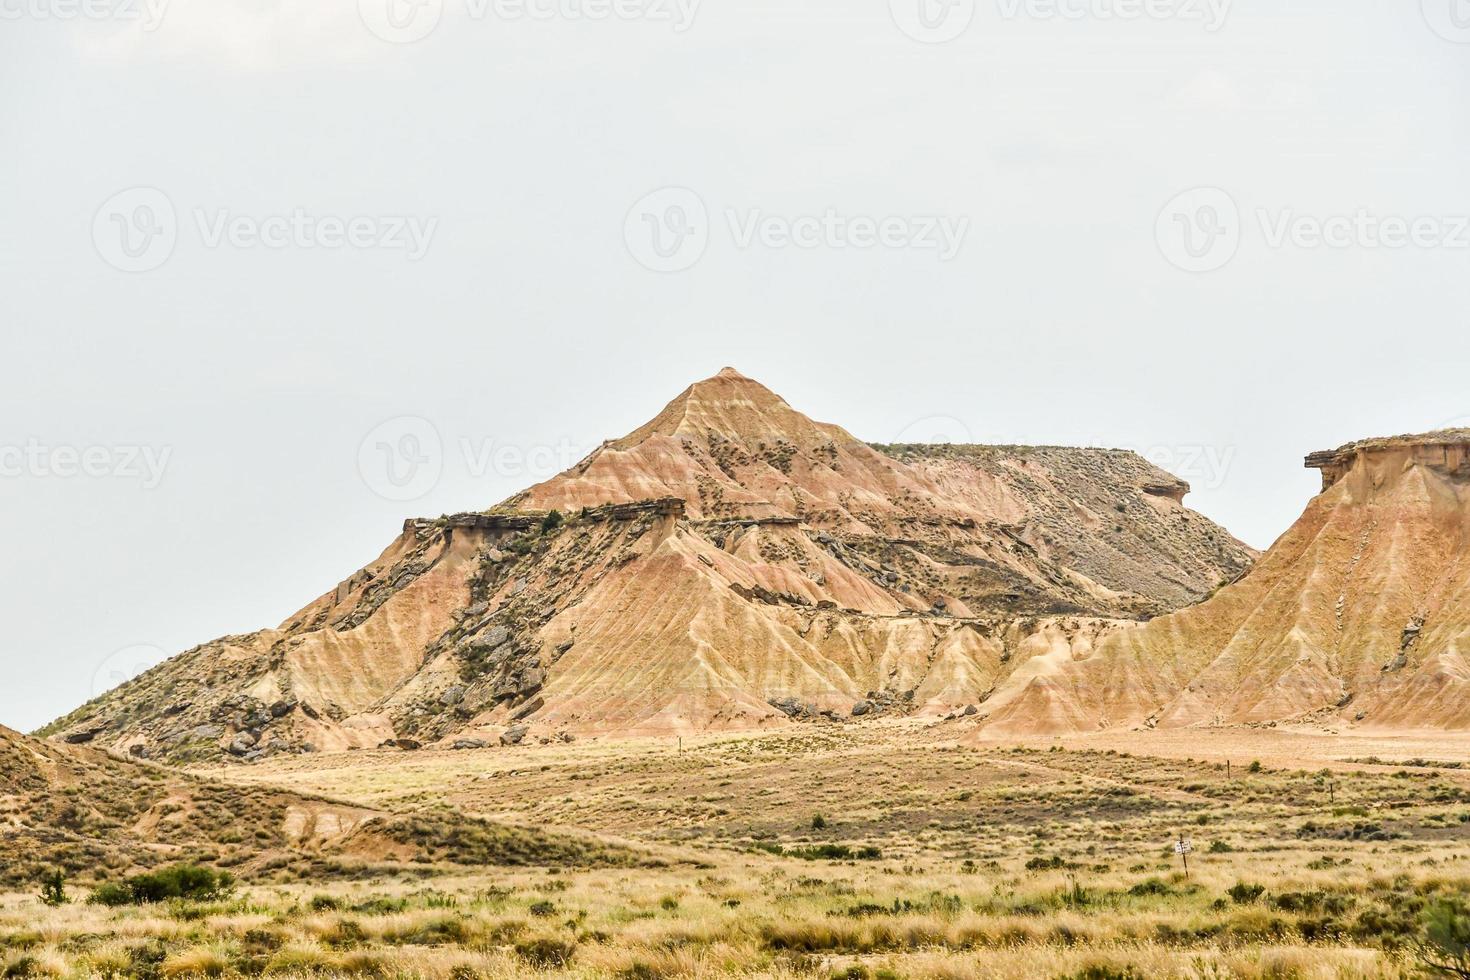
[
  {"x": 730, "y": 564},
  {"x": 1359, "y": 615}
]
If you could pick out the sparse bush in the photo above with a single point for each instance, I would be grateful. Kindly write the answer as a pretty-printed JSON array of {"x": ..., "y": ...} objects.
[
  {"x": 544, "y": 953},
  {"x": 1243, "y": 894},
  {"x": 1443, "y": 947},
  {"x": 53, "y": 889},
  {"x": 182, "y": 881}
]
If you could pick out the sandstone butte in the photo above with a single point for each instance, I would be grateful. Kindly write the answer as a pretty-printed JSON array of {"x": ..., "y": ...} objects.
[
  {"x": 1359, "y": 615},
  {"x": 730, "y": 565}
]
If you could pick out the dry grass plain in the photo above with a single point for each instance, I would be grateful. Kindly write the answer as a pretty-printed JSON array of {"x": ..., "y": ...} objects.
[{"x": 881, "y": 850}]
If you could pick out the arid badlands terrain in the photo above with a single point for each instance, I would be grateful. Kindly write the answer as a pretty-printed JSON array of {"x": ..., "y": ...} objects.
[{"x": 742, "y": 695}]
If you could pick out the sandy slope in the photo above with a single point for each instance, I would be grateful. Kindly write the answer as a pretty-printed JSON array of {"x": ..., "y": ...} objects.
[{"x": 1359, "y": 614}]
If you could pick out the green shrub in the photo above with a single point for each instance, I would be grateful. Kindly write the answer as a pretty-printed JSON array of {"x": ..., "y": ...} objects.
[
  {"x": 1243, "y": 894},
  {"x": 1444, "y": 944},
  {"x": 545, "y": 953},
  {"x": 53, "y": 889},
  {"x": 182, "y": 881}
]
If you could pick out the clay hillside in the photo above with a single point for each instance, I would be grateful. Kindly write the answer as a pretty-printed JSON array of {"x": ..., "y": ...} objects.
[
  {"x": 95, "y": 816},
  {"x": 1359, "y": 615},
  {"x": 730, "y": 564}
]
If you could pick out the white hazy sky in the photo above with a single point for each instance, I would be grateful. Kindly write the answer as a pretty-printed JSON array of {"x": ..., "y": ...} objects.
[{"x": 523, "y": 324}]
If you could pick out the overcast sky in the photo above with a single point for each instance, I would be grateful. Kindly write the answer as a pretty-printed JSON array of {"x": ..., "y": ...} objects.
[{"x": 279, "y": 275}]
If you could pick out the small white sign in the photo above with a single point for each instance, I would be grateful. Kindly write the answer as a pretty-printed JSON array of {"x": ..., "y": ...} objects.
[{"x": 1183, "y": 847}]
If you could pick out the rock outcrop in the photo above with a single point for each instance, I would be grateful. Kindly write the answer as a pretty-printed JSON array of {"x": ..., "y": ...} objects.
[
  {"x": 1358, "y": 615},
  {"x": 729, "y": 555}
]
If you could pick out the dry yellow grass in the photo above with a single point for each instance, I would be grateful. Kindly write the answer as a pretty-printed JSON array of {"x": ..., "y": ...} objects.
[{"x": 998, "y": 861}]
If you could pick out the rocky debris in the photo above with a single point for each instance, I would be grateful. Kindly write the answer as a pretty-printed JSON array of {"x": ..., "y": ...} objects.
[
  {"x": 520, "y": 521},
  {"x": 138, "y": 751},
  {"x": 243, "y": 744},
  {"x": 1411, "y": 633},
  {"x": 970, "y": 711},
  {"x": 283, "y": 708},
  {"x": 788, "y": 706},
  {"x": 757, "y": 593},
  {"x": 515, "y": 734},
  {"x": 495, "y": 636},
  {"x": 467, "y": 744},
  {"x": 861, "y": 708},
  {"x": 1175, "y": 490},
  {"x": 531, "y": 679},
  {"x": 452, "y": 696},
  {"x": 406, "y": 744},
  {"x": 528, "y": 709},
  {"x": 83, "y": 737}
]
